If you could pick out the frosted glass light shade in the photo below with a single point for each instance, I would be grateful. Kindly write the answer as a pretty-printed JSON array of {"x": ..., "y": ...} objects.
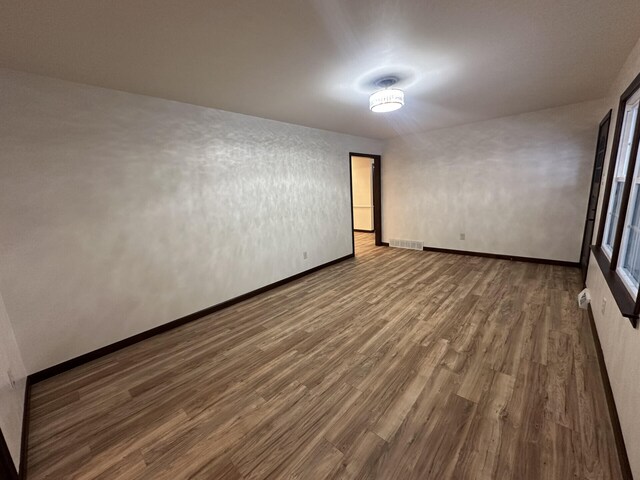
[{"x": 386, "y": 100}]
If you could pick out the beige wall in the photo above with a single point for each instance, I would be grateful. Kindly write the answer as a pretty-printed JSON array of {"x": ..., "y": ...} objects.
[
  {"x": 362, "y": 178},
  {"x": 11, "y": 396},
  {"x": 620, "y": 342},
  {"x": 121, "y": 212},
  {"x": 514, "y": 185}
]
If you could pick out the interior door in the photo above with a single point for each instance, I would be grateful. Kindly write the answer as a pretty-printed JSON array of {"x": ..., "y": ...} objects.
[{"x": 601, "y": 149}]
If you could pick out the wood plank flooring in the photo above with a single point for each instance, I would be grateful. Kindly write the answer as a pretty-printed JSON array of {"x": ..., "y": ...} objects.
[{"x": 394, "y": 365}]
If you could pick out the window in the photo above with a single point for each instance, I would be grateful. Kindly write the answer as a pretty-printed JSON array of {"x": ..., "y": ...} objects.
[
  {"x": 617, "y": 248},
  {"x": 629, "y": 263},
  {"x": 630, "y": 247},
  {"x": 622, "y": 164}
]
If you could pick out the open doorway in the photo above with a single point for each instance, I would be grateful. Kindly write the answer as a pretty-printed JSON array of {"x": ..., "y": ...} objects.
[{"x": 366, "y": 208}]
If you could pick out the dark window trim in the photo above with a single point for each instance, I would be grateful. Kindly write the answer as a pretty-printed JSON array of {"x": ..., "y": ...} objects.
[
  {"x": 629, "y": 307},
  {"x": 605, "y": 121},
  {"x": 626, "y": 194},
  {"x": 614, "y": 154},
  {"x": 626, "y": 303}
]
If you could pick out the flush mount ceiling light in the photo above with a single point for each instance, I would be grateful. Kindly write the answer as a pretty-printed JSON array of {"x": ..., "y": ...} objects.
[{"x": 388, "y": 99}]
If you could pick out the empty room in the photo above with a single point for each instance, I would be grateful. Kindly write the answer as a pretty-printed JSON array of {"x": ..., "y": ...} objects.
[{"x": 319, "y": 239}]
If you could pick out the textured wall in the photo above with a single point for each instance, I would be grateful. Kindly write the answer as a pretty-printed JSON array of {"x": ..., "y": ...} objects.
[
  {"x": 514, "y": 185},
  {"x": 11, "y": 398},
  {"x": 361, "y": 176},
  {"x": 620, "y": 342},
  {"x": 121, "y": 212}
]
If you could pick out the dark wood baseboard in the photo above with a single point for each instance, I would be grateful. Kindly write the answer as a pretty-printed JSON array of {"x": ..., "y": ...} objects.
[
  {"x": 513, "y": 258},
  {"x": 623, "y": 458},
  {"x": 101, "y": 352},
  {"x": 504, "y": 257},
  {"x": 363, "y": 231}
]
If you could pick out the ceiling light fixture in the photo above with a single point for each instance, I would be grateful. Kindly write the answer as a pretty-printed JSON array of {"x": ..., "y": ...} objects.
[{"x": 388, "y": 99}]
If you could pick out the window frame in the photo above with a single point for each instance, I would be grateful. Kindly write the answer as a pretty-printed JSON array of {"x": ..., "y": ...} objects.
[
  {"x": 625, "y": 293},
  {"x": 625, "y": 275},
  {"x": 620, "y": 170}
]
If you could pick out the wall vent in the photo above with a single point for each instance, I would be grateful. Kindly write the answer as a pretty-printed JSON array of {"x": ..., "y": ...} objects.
[{"x": 410, "y": 244}]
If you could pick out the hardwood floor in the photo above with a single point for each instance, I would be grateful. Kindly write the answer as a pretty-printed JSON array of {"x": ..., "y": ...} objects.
[{"x": 394, "y": 365}]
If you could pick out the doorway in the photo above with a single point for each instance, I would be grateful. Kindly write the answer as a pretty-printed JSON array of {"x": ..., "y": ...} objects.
[
  {"x": 601, "y": 149},
  {"x": 366, "y": 208}
]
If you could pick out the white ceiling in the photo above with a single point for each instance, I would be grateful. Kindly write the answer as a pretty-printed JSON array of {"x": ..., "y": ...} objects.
[{"x": 312, "y": 62}]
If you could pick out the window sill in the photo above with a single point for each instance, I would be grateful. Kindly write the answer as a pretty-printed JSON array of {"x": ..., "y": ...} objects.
[{"x": 626, "y": 303}]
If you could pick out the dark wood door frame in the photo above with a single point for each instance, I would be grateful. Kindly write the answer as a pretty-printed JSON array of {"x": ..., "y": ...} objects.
[
  {"x": 7, "y": 467},
  {"x": 596, "y": 178},
  {"x": 377, "y": 196}
]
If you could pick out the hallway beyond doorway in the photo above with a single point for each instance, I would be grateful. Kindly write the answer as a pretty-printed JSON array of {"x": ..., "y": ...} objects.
[{"x": 365, "y": 243}]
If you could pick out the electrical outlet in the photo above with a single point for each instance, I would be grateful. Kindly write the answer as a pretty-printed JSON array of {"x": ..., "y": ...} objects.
[
  {"x": 304, "y": 255},
  {"x": 462, "y": 236},
  {"x": 12, "y": 381},
  {"x": 603, "y": 308}
]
